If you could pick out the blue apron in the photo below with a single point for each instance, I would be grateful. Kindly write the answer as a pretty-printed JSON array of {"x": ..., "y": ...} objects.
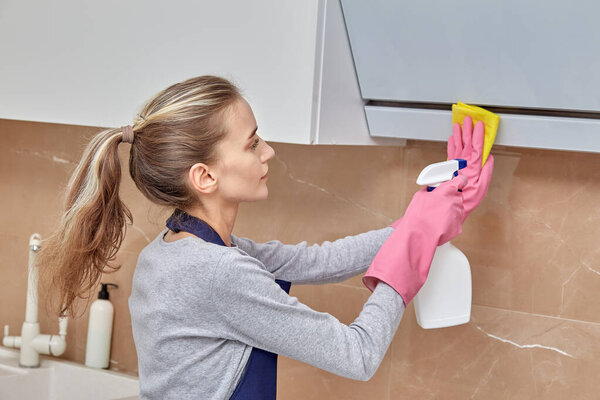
[{"x": 259, "y": 381}]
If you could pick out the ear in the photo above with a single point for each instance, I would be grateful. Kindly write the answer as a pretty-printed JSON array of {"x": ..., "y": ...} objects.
[{"x": 202, "y": 179}]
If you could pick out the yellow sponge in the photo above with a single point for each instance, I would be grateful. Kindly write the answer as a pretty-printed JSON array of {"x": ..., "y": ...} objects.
[{"x": 490, "y": 120}]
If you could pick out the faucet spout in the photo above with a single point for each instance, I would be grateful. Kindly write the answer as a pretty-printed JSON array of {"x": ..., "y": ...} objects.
[{"x": 31, "y": 309}]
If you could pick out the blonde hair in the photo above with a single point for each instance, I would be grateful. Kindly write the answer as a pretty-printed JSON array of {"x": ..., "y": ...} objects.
[{"x": 177, "y": 128}]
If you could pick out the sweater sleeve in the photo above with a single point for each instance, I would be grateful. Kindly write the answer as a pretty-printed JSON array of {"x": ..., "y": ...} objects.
[
  {"x": 328, "y": 262},
  {"x": 253, "y": 309}
]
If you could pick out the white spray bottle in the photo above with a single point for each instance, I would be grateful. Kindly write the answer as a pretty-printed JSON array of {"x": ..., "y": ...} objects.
[{"x": 445, "y": 298}]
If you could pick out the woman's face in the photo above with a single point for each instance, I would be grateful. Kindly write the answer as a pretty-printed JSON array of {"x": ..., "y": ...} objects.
[{"x": 242, "y": 158}]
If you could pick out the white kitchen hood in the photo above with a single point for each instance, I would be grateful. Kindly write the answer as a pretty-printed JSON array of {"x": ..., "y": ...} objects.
[{"x": 534, "y": 63}]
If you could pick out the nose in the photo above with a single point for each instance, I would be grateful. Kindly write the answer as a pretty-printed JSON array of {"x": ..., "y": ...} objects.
[{"x": 268, "y": 153}]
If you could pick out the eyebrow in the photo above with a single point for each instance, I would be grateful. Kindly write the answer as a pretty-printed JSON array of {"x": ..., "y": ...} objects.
[{"x": 253, "y": 133}]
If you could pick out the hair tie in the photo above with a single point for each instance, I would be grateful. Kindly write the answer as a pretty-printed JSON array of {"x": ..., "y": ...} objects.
[{"x": 127, "y": 134}]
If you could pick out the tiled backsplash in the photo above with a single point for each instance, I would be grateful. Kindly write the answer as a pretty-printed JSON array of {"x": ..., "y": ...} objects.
[{"x": 532, "y": 244}]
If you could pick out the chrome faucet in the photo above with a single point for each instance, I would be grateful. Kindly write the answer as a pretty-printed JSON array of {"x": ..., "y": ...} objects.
[{"x": 31, "y": 342}]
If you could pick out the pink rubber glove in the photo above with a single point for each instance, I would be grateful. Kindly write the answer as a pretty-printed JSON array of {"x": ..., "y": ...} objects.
[
  {"x": 431, "y": 219},
  {"x": 468, "y": 145}
]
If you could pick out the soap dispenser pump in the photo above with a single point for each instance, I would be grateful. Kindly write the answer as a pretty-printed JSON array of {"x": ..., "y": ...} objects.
[{"x": 97, "y": 353}]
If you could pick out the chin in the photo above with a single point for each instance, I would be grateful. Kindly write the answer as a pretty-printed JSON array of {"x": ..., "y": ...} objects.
[
  {"x": 261, "y": 195},
  {"x": 264, "y": 195}
]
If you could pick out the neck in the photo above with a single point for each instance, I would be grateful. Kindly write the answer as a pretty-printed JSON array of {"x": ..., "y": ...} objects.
[{"x": 220, "y": 217}]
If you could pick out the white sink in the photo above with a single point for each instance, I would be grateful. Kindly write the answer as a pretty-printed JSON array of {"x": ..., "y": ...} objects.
[{"x": 61, "y": 380}]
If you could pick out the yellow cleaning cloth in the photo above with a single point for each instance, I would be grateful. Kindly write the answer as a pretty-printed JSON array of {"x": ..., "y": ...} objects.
[{"x": 490, "y": 120}]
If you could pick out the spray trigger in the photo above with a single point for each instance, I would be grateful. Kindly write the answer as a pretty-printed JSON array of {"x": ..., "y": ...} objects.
[{"x": 434, "y": 175}]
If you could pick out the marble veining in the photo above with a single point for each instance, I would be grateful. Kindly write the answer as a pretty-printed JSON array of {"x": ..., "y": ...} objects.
[
  {"x": 43, "y": 154},
  {"x": 525, "y": 346},
  {"x": 337, "y": 196}
]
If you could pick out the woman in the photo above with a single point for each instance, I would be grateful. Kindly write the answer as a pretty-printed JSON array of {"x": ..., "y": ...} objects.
[{"x": 211, "y": 311}]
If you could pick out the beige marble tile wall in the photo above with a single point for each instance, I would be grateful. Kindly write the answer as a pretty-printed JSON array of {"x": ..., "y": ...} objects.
[{"x": 532, "y": 244}]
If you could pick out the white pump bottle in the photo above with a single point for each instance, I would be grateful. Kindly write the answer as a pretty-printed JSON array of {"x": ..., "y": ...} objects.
[
  {"x": 445, "y": 298},
  {"x": 97, "y": 353}
]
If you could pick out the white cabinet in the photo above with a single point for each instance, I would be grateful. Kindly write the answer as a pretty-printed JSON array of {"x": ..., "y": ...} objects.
[{"x": 95, "y": 63}]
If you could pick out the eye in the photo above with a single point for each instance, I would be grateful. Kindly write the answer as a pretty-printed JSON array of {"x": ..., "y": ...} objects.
[{"x": 255, "y": 144}]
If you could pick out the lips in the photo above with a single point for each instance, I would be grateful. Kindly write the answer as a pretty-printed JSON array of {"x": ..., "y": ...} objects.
[{"x": 264, "y": 176}]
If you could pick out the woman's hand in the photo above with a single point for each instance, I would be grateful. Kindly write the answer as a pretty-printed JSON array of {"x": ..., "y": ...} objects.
[
  {"x": 431, "y": 219},
  {"x": 467, "y": 144}
]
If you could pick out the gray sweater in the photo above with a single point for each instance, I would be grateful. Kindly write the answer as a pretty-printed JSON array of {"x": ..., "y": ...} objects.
[{"x": 198, "y": 308}]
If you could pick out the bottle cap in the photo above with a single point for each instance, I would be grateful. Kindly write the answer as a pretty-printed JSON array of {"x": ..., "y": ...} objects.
[{"x": 103, "y": 293}]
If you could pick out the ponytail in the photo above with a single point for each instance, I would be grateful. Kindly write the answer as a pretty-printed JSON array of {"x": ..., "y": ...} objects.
[{"x": 91, "y": 229}]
